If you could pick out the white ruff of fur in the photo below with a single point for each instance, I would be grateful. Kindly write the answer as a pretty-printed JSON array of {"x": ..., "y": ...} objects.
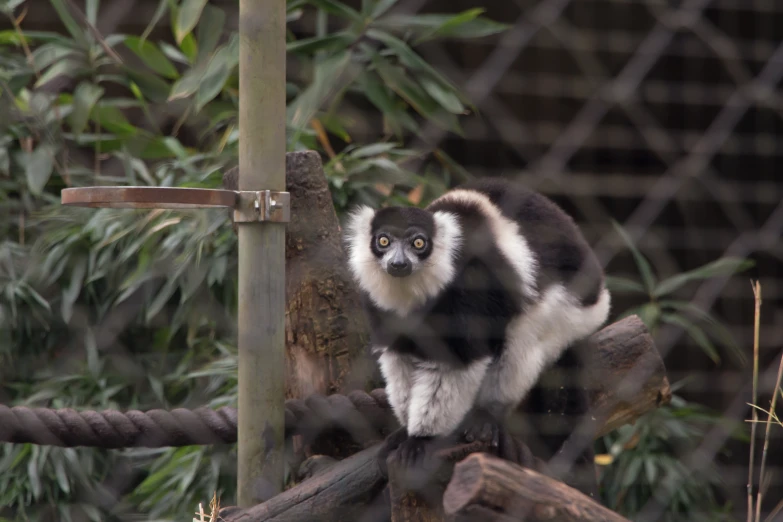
[
  {"x": 401, "y": 295},
  {"x": 507, "y": 236},
  {"x": 536, "y": 339}
]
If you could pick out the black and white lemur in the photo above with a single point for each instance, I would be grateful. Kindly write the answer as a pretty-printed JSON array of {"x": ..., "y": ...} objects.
[{"x": 470, "y": 301}]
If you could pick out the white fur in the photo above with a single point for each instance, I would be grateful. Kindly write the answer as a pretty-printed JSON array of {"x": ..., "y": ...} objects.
[
  {"x": 441, "y": 396},
  {"x": 397, "y": 371},
  {"x": 536, "y": 339},
  {"x": 396, "y": 294},
  {"x": 506, "y": 234}
]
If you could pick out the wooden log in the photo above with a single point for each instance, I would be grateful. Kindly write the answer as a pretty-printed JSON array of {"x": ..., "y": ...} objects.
[
  {"x": 626, "y": 375},
  {"x": 325, "y": 328},
  {"x": 315, "y": 465},
  {"x": 505, "y": 491},
  {"x": 621, "y": 348},
  {"x": 351, "y": 490}
]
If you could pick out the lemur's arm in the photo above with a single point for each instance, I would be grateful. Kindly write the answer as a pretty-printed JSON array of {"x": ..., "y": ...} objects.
[{"x": 398, "y": 372}]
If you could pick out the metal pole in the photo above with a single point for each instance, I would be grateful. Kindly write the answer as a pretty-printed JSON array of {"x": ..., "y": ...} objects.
[{"x": 262, "y": 145}]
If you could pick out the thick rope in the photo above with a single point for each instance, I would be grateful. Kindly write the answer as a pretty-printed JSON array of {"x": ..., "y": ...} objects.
[{"x": 364, "y": 416}]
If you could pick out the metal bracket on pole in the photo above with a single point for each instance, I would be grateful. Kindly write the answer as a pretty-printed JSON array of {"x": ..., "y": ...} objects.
[
  {"x": 253, "y": 206},
  {"x": 250, "y": 206}
]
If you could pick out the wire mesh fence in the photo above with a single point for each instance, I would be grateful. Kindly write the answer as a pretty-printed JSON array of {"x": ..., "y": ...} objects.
[{"x": 663, "y": 116}]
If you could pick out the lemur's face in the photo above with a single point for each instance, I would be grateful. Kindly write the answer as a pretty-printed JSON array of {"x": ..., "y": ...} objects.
[{"x": 402, "y": 239}]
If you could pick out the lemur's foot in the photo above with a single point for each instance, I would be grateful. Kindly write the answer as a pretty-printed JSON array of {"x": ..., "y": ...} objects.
[
  {"x": 412, "y": 452},
  {"x": 417, "y": 466},
  {"x": 390, "y": 444},
  {"x": 484, "y": 427}
]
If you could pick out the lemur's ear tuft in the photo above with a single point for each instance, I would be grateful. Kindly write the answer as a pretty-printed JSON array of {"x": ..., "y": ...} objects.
[{"x": 357, "y": 225}]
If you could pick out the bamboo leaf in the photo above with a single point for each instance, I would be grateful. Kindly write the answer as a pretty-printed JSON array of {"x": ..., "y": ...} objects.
[
  {"x": 152, "y": 57},
  {"x": 209, "y": 30},
  {"x": 34, "y": 475},
  {"x": 70, "y": 24},
  {"x": 188, "y": 16},
  {"x": 8, "y": 6},
  {"x": 112, "y": 119},
  {"x": 331, "y": 42},
  {"x": 641, "y": 263},
  {"x": 217, "y": 73},
  {"x": 395, "y": 78},
  {"x": 447, "y": 99},
  {"x": 189, "y": 83},
  {"x": 62, "y": 477},
  {"x": 38, "y": 167},
  {"x": 381, "y": 7},
  {"x": 154, "y": 88},
  {"x": 49, "y": 53},
  {"x": 718, "y": 331},
  {"x": 189, "y": 47},
  {"x": 67, "y": 67},
  {"x": 623, "y": 285},
  {"x": 337, "y": 8},
  {"x": 464, "y": 25},
  {"x": 74, "y": 288},
  {"x": 720, "y": 268},
  {"x": 91, "y": 11},
  {"x": 85, "y": 96},
  {"x": 163, "y": 6},
  {"x": 696, "y": 333},
  {"x": 410, "y": 58}
]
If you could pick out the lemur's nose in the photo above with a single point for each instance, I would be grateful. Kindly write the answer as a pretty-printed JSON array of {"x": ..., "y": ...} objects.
[{"x": 399, "y": 267}]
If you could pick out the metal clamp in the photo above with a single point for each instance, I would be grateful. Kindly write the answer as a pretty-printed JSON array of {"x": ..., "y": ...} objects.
[{"x": 263, "y": 205}]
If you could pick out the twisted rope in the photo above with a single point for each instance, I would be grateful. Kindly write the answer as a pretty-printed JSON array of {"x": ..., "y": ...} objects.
[{"x": 364, "y": 416}]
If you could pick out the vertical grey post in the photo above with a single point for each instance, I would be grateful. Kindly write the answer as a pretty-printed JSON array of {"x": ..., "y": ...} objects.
[{"x": 262, "y": 145}]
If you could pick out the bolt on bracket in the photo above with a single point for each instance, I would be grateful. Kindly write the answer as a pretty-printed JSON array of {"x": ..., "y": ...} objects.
[{"x": 254, "y": 206}]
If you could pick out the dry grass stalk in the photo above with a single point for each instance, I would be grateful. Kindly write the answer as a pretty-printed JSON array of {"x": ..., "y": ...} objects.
[
  {"x": 770, "y": 416},
  {"x": 214, "y": 508},
  {"x": 757, "y": 297}
]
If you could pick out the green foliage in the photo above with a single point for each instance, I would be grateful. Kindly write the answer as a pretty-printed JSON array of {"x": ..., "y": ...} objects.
[
  {"x": 664, "y": 308},
  {"x": 649, "y": 463},
  {"x": 135, "y": 309},
  {"x": 647, "y": 460}
]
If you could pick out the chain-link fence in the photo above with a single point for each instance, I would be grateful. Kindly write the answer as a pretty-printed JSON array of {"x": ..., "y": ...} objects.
[{"x": 663, "y": 116}]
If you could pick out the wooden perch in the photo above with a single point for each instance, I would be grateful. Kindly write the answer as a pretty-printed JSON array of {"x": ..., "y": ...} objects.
[
  {"x": 624, "y": 358},
  {"x": 346, "y": 491},
  {"x": 499, "y": 490}
]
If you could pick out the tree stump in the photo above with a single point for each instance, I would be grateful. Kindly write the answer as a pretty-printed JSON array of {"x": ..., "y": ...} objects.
[{"x": 325, "y": 327}]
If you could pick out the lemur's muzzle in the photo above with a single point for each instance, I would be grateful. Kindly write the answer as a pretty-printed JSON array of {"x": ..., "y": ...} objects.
[{"x": 399, "y": 266}]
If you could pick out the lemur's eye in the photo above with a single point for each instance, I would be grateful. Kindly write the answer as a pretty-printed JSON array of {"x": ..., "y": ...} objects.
[
  {"x": 383, "y": 241},
  {"x": 418, "y": 243}
]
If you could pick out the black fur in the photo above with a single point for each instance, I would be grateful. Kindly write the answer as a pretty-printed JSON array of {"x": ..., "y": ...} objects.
[
  {"x": 561, "y": 250},
  {"x": 403, "y": 223}
]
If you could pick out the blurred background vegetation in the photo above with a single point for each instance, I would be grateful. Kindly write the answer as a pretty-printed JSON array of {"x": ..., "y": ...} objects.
[{"x": 125, "y": 309}]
